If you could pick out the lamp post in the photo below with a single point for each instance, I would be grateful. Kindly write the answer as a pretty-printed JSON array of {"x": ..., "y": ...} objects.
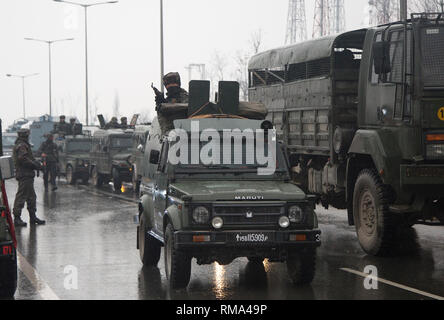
[
  {"x": 85, "y": 7},
  {"x": 49, "y": 43},
  {"x": 23, "y": 77},
  {"x": 162, "y": 61}
]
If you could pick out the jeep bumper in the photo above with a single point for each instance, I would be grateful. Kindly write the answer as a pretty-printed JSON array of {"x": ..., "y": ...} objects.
[
  {"x": 244, "y": 239},
  {"x": 422, "y": 175}
]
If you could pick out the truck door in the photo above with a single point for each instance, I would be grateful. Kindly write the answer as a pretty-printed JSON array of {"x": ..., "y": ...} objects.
[
  {"x": 386, "y": 97},
  {"x": 161, "y": 187}
]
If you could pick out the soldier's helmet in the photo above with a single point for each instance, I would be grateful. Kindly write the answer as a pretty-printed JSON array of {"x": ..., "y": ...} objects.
[
  {"x": 172, "y": 78},
  {"x": 72, "y": 120},
  {"x": 23, "y": 133},
  {"x": 114, "y": 119},
  {"x": 62, "y": 118},
  {"x": 124, "y": 119}
]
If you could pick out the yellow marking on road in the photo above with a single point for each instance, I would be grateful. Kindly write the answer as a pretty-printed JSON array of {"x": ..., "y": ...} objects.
[
  {"x": 393, "y": 284},
  {"x": 36, "y": 280}
]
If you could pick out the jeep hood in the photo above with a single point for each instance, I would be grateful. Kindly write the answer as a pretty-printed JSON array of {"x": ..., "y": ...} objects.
[
  {"x": 239, "y": 190},
  {"x": 121, "y": 156}
]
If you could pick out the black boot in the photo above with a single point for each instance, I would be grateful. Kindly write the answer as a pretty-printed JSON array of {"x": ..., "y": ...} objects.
[
  {"x": 18, "y": 222},
  {"x": 34, "y": 220}
]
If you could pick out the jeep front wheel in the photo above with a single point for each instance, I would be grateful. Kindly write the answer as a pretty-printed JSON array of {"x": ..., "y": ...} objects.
[
  {"x": 116, "y": 180},
  {"x": 149, "y": 248},
  {"x": 376, "y": 227},
  {"x": 301, "y": 265},
  {"x": 177, "y": 262}
]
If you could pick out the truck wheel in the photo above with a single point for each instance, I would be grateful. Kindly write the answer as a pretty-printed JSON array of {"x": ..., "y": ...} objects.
[
  {"x": 97, "y": 178},
  {"x": 149, "y": 248},
  {"x": 70, "y": 176},
  {"x": 177, "y": 262},
  {"x": 8, "y": 277},
  {"x": 301, "y": 266},
  {"x": 116, "y": 180},
  {"x": 376, "y": 227}
]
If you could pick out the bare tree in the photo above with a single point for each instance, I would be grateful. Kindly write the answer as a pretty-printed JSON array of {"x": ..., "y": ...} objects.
[{"x": 427, "y": 5}]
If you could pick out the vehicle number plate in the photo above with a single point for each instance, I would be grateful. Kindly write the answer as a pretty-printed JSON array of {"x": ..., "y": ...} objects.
[{"x": 252, "y": 237}]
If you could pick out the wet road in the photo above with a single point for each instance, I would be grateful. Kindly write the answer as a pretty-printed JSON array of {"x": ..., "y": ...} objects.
[{"x": 90, "y": 237}]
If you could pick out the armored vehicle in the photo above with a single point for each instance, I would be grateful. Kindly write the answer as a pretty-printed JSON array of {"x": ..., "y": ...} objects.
[
  {"x": 219, "y": 212},
  {"x": 110, "y": 157},
  {"x": 8, "y": 254},
  {"x": 362, "y": 114},
  {"x": 140, "y": 137},
  {"x": 74, "y": 158}
]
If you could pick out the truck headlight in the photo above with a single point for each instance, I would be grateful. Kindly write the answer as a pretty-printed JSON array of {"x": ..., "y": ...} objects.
[
  {"x": 284, "y": 222},
  {"x": 218, "y": 223},
  {"x": 295, "y": 214},
  {"x": 201, "y": 215}
]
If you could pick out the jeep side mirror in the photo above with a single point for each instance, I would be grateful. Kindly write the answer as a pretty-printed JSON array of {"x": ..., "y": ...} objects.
[
  {"x": 381, "y": 57},
  {"x": 154, "y": 157},
  {"x": 140, "y": 148}
]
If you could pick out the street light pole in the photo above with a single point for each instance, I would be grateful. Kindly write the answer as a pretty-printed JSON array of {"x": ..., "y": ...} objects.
[
  {"x": 49, "y": 43},
  {"x": 22, "y": 77},
  {"x": 162, "y": 61},
  {"x": 85, "y": 7}
]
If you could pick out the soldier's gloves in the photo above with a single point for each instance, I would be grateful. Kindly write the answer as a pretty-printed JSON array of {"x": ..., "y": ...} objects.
[{"x": 160, "y": 99}]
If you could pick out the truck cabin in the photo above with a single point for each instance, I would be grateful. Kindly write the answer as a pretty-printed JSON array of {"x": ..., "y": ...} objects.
[{"x": 310, "y": 81}]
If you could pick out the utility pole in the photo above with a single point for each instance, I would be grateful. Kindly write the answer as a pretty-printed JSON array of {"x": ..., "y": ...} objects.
[
  {"x": 162, "y": 58},
  {"x": 23, "y": 78},
  {"x": 403, "y": 10},
  {"x": 338, "y": 16},
  {"x": 49, "y": 43},
  {"x": 296, "y": 22}
]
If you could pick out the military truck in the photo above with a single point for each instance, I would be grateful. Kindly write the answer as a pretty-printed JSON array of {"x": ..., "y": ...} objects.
[
  {"x": 110, "y": 157},
  {"x": 8, "y": 254},
  {"x": 362, "y": 114},
  {"x": 214, "y": 212},
  {"x": 140, "y": 137},
  {"x": 74, "y": 158}
]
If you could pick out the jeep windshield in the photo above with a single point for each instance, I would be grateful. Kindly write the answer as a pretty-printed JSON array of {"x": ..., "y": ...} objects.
[
  {"x": 78, "y": 146},
  {"x": 121, "y": 142},
  {"x": 243, "y": 163}
]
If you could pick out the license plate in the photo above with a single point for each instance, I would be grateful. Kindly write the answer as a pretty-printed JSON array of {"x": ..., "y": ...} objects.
[{"x": 254, "y": 237}]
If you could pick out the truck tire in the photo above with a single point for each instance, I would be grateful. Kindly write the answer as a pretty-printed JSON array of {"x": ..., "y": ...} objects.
[
  {"x": 70, "y": 175},
  {"x": 97, "y": 178},
  {"x": 116, "y": 180},
  {"x": 177, "y": 262},
  {"x": 376, "y": 227},
  {"x": 8, "y": 277},
  {"x": 149, "y": 248},
  {"x": 301, "y": 266}
]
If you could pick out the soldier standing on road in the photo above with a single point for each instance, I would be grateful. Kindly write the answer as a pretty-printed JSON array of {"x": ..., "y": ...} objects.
[
  {"x": 49, "y": 152},
  {"x": 175, "y": 94},
  {"x": 25, "y": 166}
]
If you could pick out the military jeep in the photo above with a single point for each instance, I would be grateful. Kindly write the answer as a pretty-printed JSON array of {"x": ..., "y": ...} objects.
[
  {"x": 110, "y": 157},
  {"x": 218, "y": 213},
  {"x": 74, "y": 159}
]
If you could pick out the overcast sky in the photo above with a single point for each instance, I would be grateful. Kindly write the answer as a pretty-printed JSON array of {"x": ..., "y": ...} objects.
[{"x": 124, "y": 47}]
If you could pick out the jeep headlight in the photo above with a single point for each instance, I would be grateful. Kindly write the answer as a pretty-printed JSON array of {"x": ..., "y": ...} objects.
[
  {"x": 201, "y": 215},
  {"x": 435, "y": 151},
  {"x": 295, "y": 214}
]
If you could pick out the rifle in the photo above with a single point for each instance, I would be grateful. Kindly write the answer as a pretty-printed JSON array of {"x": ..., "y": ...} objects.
[{"x": 158, "y": 94}]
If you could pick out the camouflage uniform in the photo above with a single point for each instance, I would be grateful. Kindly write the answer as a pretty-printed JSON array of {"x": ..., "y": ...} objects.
[
  {"x": 25, "y": 166},
  {"x": 113, "y": 124},
  {"x": 49, "y": 148},
  {"x": 62, "y": 128}
]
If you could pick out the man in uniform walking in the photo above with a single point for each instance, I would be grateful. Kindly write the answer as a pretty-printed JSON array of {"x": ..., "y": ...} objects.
[
  {"x": 49, "y": 152},
  {"x": 25, "y": 166}
]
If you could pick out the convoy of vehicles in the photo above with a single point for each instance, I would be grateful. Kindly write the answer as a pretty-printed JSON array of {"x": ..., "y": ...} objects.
[
  {"x": 217, "y": 213},
  {"x": 362, "y": 115}
]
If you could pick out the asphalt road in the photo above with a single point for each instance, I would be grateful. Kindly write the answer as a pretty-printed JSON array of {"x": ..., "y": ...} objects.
[{"x": 87, "y": 250}]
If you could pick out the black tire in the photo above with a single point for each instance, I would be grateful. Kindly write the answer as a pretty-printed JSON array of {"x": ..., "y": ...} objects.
[
  {"x": 149, "y": 248},
  {"x": 301, "y": 266},
  {"x": 116, "y": 180},
  {"x": 177, "y": 262},
  {"x": 256, "y": 259},
  {"x": 376, "y": 227},
  {"x": 8, "y": 277},
  {"x": 97, "y": 178},
  {"x": 70, "y": 175}
]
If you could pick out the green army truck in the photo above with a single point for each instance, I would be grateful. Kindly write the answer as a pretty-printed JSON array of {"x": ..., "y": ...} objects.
[
  {"x": 74, "y": 158},
  {"x": 219, "y": 212},
  {"x": 110, "y": 157},
  {"x": 362, "y": 114}
]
